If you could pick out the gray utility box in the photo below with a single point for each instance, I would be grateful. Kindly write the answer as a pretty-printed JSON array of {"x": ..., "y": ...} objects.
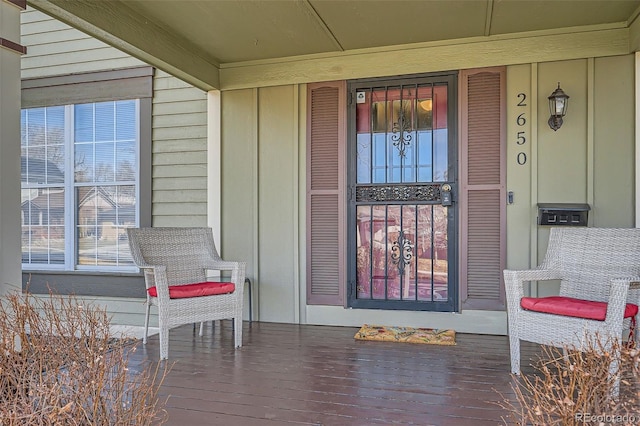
[{"x": 563, "y": 214}]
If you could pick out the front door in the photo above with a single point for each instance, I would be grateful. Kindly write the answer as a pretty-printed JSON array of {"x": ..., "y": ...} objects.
[{"x": 402, "y": 194}]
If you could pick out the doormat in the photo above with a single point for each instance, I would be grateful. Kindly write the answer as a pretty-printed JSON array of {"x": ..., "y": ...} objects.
[{"x": 429, "y": 336}]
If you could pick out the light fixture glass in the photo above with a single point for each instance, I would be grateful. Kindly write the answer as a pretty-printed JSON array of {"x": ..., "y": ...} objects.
[
  {"x": 426, "y": 104},
  {"x": 558, "y": 102}
]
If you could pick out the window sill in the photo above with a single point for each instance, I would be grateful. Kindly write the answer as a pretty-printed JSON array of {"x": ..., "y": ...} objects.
[{"x": 84, "y": 283}]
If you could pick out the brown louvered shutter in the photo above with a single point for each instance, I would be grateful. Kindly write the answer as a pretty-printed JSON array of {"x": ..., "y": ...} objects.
[
  {"x": 482, "y": 197},
  {"x": 326, "y": 136}
]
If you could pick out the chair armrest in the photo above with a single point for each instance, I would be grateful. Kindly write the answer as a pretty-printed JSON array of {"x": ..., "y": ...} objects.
[
  {"x": 223, "y": 265},
  {"x": 156, "y": 275},
  {"x": 531, "y": 275},
  {"x": 237, "y": 272},
  {"x": 154, "y": 269},
  {"x": 514, "y": 284},
  {"x": 237, "y": 269},
  {"x": 618, "y": 297},
  {"x": 633, "y": 283}
]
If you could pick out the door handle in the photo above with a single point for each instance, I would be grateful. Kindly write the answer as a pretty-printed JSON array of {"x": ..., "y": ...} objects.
[{"x": 445, "y": 195}]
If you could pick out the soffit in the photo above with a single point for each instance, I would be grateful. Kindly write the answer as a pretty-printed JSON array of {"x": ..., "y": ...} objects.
[
  {"x": 511, "y": 16},
  {"x": 246, "y": 30},
  {"x": 194, "y": 39}
]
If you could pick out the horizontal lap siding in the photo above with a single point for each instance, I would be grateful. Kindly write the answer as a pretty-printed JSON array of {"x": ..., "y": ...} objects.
[
  {"x": 483, "y": 187},
  {"x": 179, "y": 135},
  {"x": 179, "y": 153},
  {"x": 56, "y": 48}
]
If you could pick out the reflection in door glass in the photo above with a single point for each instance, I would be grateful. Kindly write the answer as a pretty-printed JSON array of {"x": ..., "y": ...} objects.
[
  {"x": 399, "y": 240},
  {"x": 402, "y": 135},
  {"x": 402, "y": 252}
]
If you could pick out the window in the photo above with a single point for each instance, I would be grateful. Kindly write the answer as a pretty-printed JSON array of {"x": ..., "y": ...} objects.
[
  {"x": 86, "y": 177},
  {"x": 79, "y": 185}
]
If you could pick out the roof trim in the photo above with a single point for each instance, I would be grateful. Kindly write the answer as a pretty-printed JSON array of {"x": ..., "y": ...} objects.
[{"x": 113, "y": 22}]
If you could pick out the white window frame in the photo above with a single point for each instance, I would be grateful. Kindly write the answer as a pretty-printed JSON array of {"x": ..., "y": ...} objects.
[
  {"x": 97, "y": 86},
  {"x": 71, "y": 243}
]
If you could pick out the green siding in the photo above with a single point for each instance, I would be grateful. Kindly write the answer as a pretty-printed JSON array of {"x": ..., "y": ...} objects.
[
  {"x": 179, "y": 121},
  {"x": 54, "y": 48},
  {"x": 179, "y": 153},
  {"x": 179, "y": 113},
  {"x": 562, "y": 155},
  {"x": 614, "y": 121},
  {"x": 277, "y": 189},
  {"x": 239, "y": 174},
  {"x": 590, "y": 159}
]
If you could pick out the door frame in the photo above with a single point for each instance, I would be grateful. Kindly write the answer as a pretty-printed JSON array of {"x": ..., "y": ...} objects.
[{"x": 452, "y": 304}]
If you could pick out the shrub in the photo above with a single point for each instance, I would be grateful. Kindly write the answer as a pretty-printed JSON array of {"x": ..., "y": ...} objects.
[
  {"x": 59, "y": 364},
  {"x": 577, "y": 389}
]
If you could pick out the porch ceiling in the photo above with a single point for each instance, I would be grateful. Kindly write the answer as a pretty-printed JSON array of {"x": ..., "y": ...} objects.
[{"x": 193, "y": 39}]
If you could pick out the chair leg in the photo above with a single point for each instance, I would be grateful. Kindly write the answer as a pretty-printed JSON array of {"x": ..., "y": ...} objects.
[
  {"x": 248, "y": 282},
  {"x": 164, "y": 342},
  {"x": 146, "y": 324},
  {"x": 237, "y": 330},
  {"x": 201, "y": 328},
  {"x": 514, "y": 346}
]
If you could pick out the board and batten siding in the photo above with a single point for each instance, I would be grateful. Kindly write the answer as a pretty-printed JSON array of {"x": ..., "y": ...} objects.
[{"x": 260, "y": 165}]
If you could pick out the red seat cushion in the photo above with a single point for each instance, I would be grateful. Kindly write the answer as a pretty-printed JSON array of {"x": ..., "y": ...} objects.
[
  {"x": 195, "y": 290},
  {"x": 571, "y": 307}
]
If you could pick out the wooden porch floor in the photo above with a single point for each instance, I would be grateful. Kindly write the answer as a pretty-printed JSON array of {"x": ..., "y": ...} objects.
[{"x": 319, "y": 375}]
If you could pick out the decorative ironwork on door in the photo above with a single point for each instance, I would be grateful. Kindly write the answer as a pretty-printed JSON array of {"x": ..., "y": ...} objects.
[
  {"x": 401, "y": 133},
  {"x": 401, "y": 253}
]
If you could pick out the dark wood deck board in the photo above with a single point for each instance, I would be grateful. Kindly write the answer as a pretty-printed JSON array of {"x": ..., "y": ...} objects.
[{"x": 319, "y": 375}]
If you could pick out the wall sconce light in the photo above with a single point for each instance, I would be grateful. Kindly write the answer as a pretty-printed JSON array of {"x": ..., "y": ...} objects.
[{"x": 558, "y": 102}]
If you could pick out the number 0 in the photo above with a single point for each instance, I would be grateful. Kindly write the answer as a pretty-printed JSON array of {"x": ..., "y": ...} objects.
[{"x": 522, "y": 158}]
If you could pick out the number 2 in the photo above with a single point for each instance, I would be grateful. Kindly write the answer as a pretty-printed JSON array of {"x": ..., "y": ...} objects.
[{"x": 522, "y": 97}]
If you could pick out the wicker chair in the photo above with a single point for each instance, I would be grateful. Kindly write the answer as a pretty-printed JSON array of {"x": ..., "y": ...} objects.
[
  {"x": 592, "y": 264},
  {"x": 175, "y": 262}
]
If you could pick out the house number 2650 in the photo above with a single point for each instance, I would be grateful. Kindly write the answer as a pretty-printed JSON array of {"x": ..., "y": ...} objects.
[{"x": 521, "y": 135}]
